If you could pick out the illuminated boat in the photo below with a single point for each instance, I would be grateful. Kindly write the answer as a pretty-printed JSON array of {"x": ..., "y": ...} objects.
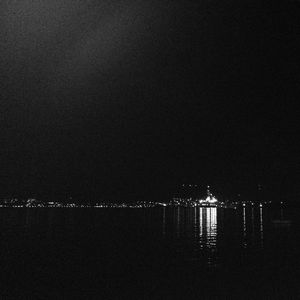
[{"x": 210, "y": 200}]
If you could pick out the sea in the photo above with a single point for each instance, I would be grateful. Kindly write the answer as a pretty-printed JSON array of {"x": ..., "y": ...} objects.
[{"x": 149, "y": 253}]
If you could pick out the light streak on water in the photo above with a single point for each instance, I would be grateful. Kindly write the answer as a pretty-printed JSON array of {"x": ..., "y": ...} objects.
[
  {"x": 208, "y": 227},
  {"x": 252, "y": 223},
  {"x": 244, "y": 228},
  {"x": 261, "y": 227},
  {"x": 178, "y": 221},
  {"x": 195, "y": 222},
  {"x": 212, "y": 227},
  {"x": 200, "y": 222},
  {"x": 164, "y": 221}
]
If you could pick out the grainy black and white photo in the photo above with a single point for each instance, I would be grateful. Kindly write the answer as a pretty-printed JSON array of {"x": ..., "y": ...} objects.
[{"x": 149, "y": 149}]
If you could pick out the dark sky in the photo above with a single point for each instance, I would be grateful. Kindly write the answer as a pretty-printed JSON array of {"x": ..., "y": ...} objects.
[{"x": 129, "y": 98}]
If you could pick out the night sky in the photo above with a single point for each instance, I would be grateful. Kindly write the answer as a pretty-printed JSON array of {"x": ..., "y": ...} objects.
[{"x": 128, "y": 99}]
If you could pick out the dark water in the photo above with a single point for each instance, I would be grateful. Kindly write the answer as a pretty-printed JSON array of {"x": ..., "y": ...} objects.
[{"x": 159, "y": 253}]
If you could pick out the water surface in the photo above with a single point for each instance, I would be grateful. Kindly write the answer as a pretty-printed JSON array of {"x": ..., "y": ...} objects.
[{"x": 157, "y": 253}]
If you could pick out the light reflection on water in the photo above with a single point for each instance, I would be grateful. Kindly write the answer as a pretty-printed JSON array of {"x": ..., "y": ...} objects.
[
  {"x": 244, "y": 228},
  {"x": 261, "y": 226},
  {"x": 202, "y": 232},
  {"x": 198, "y": 233},
  {"x": 208, "y": 227},
  {"x": 164, "y": 221},
  {"x": 174, "y": 247}
]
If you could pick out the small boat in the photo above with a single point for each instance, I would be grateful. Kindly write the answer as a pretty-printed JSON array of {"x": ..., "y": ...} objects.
[{"x": 282, "y": 222}]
